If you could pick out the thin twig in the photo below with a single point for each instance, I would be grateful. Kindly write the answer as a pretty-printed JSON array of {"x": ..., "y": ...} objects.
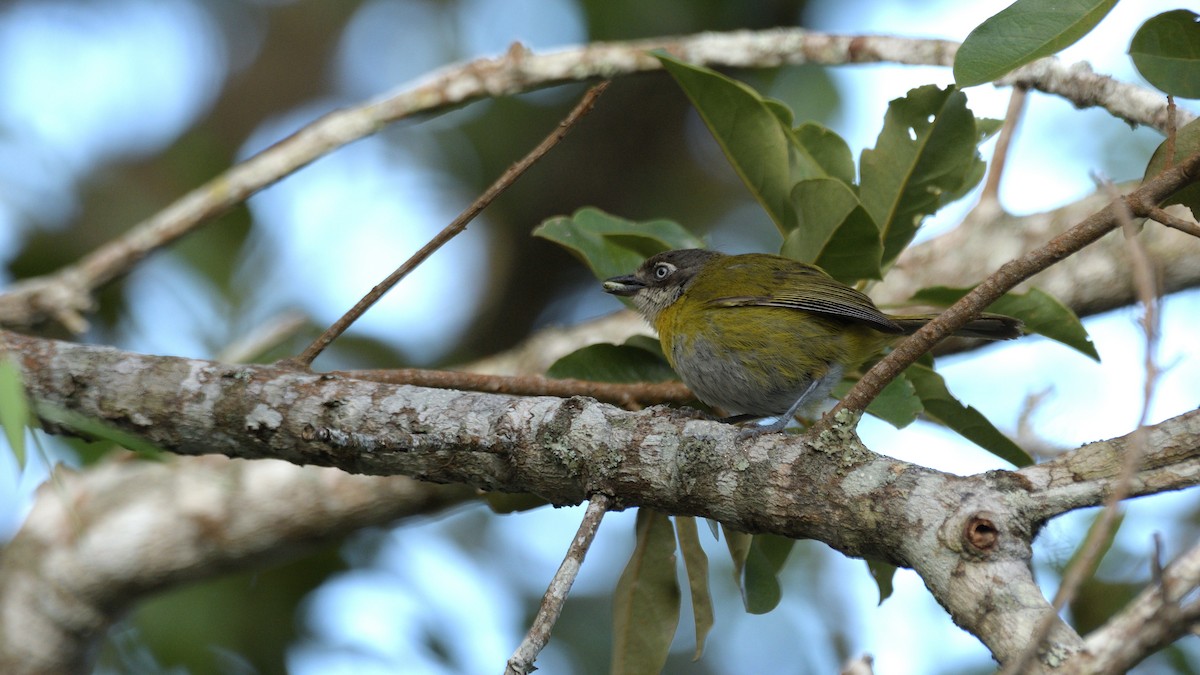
[
  {"x": 1161, "y": 614},
  {"x": 1156, "y": 564},
  {"x": 1139, "y": 203},
  {"x": 1185, "y": 226},
  {"x": 1093, "y": 547},
  {"x": 1171, "y": 132},
  {"x": 453, "y": 229},
  {"x": 631, "y": 396},
  {"x": 521, "y": 662},
  {"x": 1016, "y": 105}
]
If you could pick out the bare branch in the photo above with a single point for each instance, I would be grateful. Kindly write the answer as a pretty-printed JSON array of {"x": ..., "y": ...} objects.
[
  {"x": 1185, "y": 226},
  {"x": 99, "y": 541},
  {"x": 1154, "y": 619},
  {"x": 67, "y": 294},
  {"x": 959, "y": 533},
  {"x": 535, "y": 641},
  {"x": 628, "y": 396},
  {"x": 452, "y": 230}
]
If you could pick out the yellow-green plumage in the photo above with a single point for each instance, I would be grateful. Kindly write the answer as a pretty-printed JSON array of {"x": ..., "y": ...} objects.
[{"x": 762, "y": 335}]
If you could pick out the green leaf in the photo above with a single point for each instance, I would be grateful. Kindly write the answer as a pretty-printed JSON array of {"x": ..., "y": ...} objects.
[
  {"x": 1042, "y": 313},
  {"x": 883, "y": 574},
  {"x": 646, "y": 344},
  {"x": 1023, "y": 32},
  {"x": 943, "y": 408},
  {"x": 753, "y": 132},
  {"x": 95, "y": 429},
  {"x": 1166, "y": 51},
  {"x": 696, "y": 563},
  {"x": 834, "y": 231},
  {"x": 611, "y": 246},
  {"x": 898, "y": 403},
  {"x": 738, "y": 544},
  {"x": 646, "y": 600},
  {"x": 828, "y": 150},
  {"x": 1187, "y": 143},
  {"x": 14, "y": 407},
  {"x": 613, "y": 363},
  {"x": 925, "y": 157},
  {"x": 761, "y": 591}
]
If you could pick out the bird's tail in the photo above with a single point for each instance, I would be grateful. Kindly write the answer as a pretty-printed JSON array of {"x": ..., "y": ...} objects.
[{"x": 986, "y": 326}]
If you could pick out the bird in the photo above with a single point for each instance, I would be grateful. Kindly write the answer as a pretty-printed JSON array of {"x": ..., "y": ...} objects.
[{"x": 764, "y": 336}]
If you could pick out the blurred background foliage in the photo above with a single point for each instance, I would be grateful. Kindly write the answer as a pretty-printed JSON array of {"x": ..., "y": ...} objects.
[{"x": 110, "y": 111}]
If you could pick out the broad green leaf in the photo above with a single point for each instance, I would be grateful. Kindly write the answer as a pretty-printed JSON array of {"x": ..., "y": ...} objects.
[
  {"x": 1187, "y": 143},
  {"x": 696, "y": 563},
  {"x": 612, "y": 246},
  {"x": 14, "y": 407},
  {"x": 1166, "y": 51},
  {"x": 828, "y": 150},
  {"x": 1023, "y": 32},
  {"x": 943, "y": 408},
  {"x": 925, "y": 157},
  {"x": 646, "y": 600},
  {"x": 761, "y": 591},
  {"x": 646, "y": 344},
  {"x": 1042, "y": 313},
  {"x": 883, "y": 574},
  {"x": 898, "y": 403},
  {"x": 834, "y": 231},
  {"x": 613, "y": 363},
  {"x": 753, "y": 132}
]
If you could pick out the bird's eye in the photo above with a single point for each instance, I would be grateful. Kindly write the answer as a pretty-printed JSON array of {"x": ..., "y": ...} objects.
[{"x": 662, "y": 271}]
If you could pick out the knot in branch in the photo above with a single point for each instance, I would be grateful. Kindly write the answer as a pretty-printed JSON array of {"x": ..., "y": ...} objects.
[{"x": 981, "y": 534}]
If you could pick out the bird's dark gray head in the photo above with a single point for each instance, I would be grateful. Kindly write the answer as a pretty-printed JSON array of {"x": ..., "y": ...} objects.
[{"x": 661, "y": 279}]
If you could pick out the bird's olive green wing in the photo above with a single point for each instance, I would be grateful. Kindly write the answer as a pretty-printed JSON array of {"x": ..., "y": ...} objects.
[{"x": 810, "y": 290}]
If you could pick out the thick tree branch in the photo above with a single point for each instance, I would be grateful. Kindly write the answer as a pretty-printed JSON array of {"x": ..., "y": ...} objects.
[
  {"x": 960, "y": 534},
  {"x": 99, "y": 541},
  {"x": 66, "y": 295}
]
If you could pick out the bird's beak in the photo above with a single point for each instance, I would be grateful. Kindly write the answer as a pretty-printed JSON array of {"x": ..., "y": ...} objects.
[{"x": 626, "y": 285}]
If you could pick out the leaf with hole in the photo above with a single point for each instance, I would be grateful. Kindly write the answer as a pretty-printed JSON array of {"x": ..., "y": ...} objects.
[{"x": 925, "y": 157}]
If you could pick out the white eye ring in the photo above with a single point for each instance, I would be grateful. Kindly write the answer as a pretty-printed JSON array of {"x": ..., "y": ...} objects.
[{"x": 663, "y": 270}]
